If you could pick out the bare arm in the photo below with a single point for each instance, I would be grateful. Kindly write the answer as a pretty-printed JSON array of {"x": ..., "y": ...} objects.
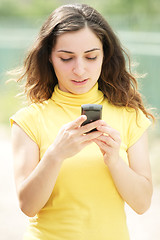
[
  {"x": 133, "y": 182},
  {"x": 35, "y": 179},
  {"x": 34, "y": 183}
]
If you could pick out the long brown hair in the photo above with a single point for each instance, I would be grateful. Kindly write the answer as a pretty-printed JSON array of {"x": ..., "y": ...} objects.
[{"x": 116, "y": 82}]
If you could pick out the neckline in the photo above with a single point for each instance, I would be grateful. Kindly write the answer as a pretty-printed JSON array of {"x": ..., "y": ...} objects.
[{"x": 94, "y": 96}]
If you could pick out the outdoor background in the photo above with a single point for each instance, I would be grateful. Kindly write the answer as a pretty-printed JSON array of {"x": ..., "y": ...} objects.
[{"x": 137, "y": 23}]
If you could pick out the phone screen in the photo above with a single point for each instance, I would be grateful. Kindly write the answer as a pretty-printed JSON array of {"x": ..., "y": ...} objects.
[{"x": 93, "y": 113}]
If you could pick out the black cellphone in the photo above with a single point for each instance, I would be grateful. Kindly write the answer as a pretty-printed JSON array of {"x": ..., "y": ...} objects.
[{"x": 93, "y": 113}]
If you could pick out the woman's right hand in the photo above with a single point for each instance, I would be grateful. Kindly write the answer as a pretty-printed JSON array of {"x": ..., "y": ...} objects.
[{"x": 71, "y": 138}]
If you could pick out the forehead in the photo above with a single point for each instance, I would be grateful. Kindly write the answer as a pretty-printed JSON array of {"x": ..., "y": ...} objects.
[{"x": 80, "y": 40}]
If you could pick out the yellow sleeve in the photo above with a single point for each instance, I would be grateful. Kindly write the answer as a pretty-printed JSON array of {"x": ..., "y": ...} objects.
[
  {"x": 136, "y": 126},
  {"x": 26, "y": 118}
]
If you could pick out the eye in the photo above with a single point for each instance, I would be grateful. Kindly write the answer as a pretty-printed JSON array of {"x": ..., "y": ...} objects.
[
  {"x": 93, "y": 58},
  {"x": 65, "y": 59}
]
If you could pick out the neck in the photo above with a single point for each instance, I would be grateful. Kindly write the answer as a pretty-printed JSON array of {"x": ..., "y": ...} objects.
[{"x": 94, "y": 96}]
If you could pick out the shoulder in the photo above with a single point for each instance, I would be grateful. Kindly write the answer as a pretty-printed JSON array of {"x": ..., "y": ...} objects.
[
  {"x": 29, "y": 119},
  {"x": 136, "y": 117},
  {"x": 129, "y": 122},
  {"x": 27, "y": 113},
  {"x": 31, "y": 111},
  {"x": 136, "y": 124},
  {"x": 126, "y": 114}
]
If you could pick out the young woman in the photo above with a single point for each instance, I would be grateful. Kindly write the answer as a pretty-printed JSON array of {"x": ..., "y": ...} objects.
[{"x": 71, "y": 184}]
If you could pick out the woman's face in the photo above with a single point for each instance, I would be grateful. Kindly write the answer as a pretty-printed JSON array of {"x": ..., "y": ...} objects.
[{"x": 77, "y": 60}]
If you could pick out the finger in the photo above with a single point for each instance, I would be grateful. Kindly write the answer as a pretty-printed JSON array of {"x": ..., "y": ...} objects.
[
  {"x": 101, "y": 145},
  {"x": 103, "y": 123},
  {"x": 90, "y": 126},
  {"x": 114, "y": 134},
  {"x": 77, "y": 122},
  {"x": 91, "y": 136},
  {"x": 108, "y": 141},
  {"x": 104, "y": 138}
]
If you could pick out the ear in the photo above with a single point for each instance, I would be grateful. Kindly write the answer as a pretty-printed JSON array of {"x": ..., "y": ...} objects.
[{"x": 50, "y": 60}]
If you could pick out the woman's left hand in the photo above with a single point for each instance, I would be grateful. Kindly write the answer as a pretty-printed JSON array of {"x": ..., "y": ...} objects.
[{"x": 109, "y": 144}]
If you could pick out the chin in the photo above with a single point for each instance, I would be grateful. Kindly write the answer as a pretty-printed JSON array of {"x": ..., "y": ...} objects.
[{"x": 80, "y": 91}]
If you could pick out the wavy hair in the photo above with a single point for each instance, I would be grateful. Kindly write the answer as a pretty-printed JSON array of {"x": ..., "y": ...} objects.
[{"x": 116, "y": 82}]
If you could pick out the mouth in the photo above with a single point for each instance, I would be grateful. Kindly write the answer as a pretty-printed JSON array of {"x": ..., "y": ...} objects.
[{"x": 81, "y": 82}]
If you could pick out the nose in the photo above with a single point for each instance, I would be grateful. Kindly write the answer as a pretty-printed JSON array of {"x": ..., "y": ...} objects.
[{"x": 79, "y": 67}]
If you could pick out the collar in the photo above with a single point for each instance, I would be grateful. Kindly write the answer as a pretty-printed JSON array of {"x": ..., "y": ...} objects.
[{"x": 94, "y": 96}]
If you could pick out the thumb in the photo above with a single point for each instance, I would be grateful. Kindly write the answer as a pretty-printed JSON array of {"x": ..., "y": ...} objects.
[{"x": 77, "y": 122}]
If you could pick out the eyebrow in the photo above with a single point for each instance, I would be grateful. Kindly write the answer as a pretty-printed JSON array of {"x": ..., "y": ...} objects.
[{"x": 91, "y": 50}]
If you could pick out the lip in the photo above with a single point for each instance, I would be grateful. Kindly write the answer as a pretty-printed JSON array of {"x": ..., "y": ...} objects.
[{"x": 81, "y": 82}]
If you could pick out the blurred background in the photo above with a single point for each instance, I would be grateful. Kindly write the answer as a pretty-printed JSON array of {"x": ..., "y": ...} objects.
[{"x": 137, "y": 23}]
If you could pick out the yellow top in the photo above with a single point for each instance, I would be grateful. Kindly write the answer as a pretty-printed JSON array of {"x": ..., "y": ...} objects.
[{"x": 84, "y": 204}]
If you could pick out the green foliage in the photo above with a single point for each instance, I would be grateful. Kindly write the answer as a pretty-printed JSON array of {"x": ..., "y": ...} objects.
[
  {"x": 134, "y": 15},
  {"x": 38, "y": 8},
  {"x": 26, "y": 8},
  {"x": 126, "y": 6},
  {"x": 124, "y": 14}
]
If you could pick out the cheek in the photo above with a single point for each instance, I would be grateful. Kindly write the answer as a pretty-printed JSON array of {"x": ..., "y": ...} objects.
[
  {"x": 100, "y": 65},
  {"x": 96, "y": 67},
  {"x": 61, "y": 68},
  {"x": 58, "y": 67}
]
